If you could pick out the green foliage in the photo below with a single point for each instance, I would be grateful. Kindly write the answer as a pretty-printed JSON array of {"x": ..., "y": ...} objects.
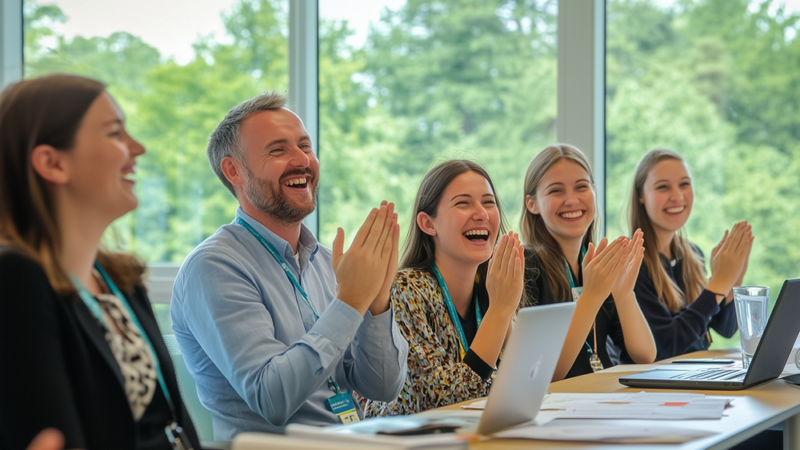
[
  {"x": 715, "y": 80},
  {"x": 441, "y": 80},
  {"x": 172, "y": 109}
]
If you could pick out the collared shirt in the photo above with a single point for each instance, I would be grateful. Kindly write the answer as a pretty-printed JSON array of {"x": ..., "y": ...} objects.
[{"x": 260, "y": 358}]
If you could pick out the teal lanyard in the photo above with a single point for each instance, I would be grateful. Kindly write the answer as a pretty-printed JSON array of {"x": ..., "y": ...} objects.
[
  {"x": 569, "y": 271},
  {"x": 451, "y": 309},
  {"x": 332, "y": 384},
  {"x": 95, "y": 309},
  {"x": 280, "y": 261},
  {"x": 572, "y": 286}
]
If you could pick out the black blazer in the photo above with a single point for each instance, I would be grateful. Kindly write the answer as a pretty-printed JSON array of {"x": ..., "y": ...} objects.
[{"x": 57, "y": 370}]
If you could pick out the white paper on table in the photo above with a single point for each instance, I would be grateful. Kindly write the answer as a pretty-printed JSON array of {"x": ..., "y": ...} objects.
[
  {"x": 707, "y": 408},
  {"x": 605, "y": 433},
  {"x": 474, "y": 415},
  {"x": 478, "y": 404},
  {"x": 559, "y": 400}
]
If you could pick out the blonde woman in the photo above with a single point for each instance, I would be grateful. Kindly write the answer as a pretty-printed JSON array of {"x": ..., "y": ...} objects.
[
  {"x": 562, "y": 264},
  {"x": 677, "y": 299}
]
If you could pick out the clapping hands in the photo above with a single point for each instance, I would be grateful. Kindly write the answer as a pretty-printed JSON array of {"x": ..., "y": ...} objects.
[
  {"x": 612, "y": 268},
  {"x": 629, "y": 266},
  {"x": 506, "y": 273},
  {"x": 365, "y": 272},
  {"x": 601, "y": 267},
  {"x": 730, "y": 257}
]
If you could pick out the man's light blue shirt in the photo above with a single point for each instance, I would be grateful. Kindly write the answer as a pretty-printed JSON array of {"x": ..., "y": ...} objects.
[{"x": 260, "y": 358}]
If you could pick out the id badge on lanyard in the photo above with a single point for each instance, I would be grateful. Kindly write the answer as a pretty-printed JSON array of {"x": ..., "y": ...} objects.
[
  {"x": 594, "y": 361},
  {"x": 342, "y": 403}
]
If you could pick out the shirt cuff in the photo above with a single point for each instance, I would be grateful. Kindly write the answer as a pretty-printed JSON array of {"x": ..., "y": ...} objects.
[
  {"x": 375, "y": 327},
  {"x": 478, "y": 365},
  {"x": 339, "y": 323}
]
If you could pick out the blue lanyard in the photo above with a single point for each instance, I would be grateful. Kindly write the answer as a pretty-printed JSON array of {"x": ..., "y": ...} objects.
[
  {"x": 94, "y": 307},
  {"x": 332, "y": 384},
  {"x": 569, "y": 271},
  {"x": 451, "y": 309},
  {"x": 280, "y": 261}
]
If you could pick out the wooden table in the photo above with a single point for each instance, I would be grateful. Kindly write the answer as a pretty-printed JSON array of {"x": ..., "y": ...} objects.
[{"x": 772, "y": 404}]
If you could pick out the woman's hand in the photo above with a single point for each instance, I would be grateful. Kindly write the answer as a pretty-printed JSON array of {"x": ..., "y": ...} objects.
[
  {"x": 601, "y": 268},
  {"x": 729, "y": 259},
  {"x": 506, "y": 273},
  {"x": 48, "y": 439},
  {"x": 629, "y": 268},
  {"x": 504, "y": 283}
]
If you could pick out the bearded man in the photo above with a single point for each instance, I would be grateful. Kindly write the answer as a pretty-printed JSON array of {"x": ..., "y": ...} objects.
[{"x": 274, "y": 327}]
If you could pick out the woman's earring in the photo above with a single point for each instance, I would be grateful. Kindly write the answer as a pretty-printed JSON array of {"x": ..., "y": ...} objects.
[{"x": 433, "y": 232}]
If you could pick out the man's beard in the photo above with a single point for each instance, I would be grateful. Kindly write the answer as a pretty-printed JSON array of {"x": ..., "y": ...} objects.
[{"x": 268, "y": 198}]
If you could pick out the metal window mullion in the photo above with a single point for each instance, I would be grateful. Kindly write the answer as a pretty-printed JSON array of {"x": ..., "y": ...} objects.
[
  {"x": 11, "y": 66},
  {"x": 581, "y": 85},
  {"x": 304, "y": 75}
]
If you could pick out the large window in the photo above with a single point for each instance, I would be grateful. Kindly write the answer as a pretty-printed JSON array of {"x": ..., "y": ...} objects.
[
  {"x": 174, "y": 79},
  {"x": 407, "y": 84},
  {"x": 404, "y": 84},
  {"x": 719, "y": 82}
]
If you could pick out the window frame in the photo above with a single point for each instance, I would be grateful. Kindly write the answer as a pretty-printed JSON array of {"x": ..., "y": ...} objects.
[{"x": 581, "y": 89}]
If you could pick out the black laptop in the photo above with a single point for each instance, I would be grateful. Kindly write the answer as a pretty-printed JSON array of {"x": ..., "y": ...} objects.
[{"x": 768, "y": 361}]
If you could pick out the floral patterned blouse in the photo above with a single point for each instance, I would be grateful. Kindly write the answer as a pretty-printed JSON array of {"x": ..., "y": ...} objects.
[{"x": 436, "y": 374}]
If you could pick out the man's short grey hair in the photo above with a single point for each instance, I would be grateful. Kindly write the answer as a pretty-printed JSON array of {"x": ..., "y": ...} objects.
[{"x": 226, "y": 139}]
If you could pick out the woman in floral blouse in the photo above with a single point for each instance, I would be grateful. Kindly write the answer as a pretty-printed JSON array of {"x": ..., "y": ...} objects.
[{"x": 453, "y": 303}]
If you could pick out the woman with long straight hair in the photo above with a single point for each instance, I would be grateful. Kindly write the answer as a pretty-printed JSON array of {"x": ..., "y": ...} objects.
[
  {"x": 457, "y": 293},
  {"x": 677, "y": 299},
  {"x": 562, "y": 264},
  {"x": 80, "y": 350}
]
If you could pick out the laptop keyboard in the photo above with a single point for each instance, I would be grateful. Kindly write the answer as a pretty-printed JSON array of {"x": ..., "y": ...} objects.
[{"x": 712, "y": 374}]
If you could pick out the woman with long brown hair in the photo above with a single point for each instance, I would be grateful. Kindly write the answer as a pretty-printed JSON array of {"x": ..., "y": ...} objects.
[
  {"x": 456, "y": 294},
  {"x": 561, "y": 264},
  {"x": 677, "y": 299},
  {"x": 80, "y": 349}
]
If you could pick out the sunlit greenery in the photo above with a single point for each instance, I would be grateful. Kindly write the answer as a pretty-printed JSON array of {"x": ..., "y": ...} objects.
[
  {"x": 719, "y": 82},
  {"x": 716, "y": 80}
]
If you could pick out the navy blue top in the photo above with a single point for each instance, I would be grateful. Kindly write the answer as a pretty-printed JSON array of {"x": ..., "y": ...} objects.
[
  {"x": 538, "y": 292},
  {"x": 684, "y": 331}
]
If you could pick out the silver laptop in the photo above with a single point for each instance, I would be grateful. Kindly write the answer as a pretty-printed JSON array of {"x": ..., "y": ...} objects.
[
  {"x": 519, "y": 387},
  {"x": 529, "y": 361},
  {"x": 768, "y": 361}
]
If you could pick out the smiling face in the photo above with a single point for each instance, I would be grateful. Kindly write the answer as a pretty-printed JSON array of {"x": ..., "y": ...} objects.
[
  {"x": 281, "y": 170},
  {"x": 467, "y": 220},
  {"x": 565, "y": 200},
  {"x": 667, "y": 196},
  {"x": 101, "y": 160}
]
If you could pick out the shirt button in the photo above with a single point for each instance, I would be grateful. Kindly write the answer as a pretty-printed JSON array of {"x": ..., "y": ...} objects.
[{"x": 372, "y": 325}]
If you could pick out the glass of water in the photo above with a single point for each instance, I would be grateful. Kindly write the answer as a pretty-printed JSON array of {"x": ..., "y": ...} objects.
[{"x": 752, "y": 303}]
